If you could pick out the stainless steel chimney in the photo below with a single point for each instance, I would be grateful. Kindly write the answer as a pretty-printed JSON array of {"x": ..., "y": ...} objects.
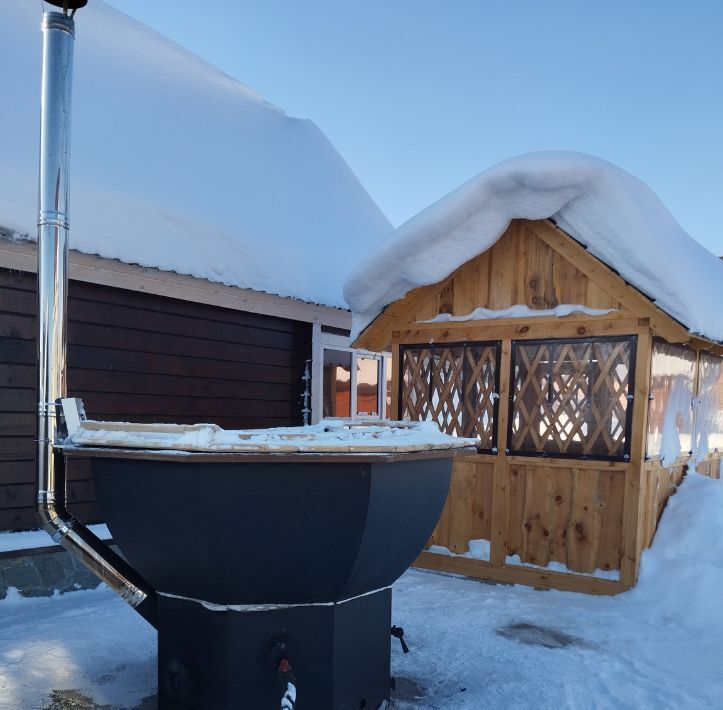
[{"x": 53, "y": 231}]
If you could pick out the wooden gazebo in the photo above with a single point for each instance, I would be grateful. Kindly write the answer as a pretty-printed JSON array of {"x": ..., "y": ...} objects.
[{"x": 574, "y": 409}]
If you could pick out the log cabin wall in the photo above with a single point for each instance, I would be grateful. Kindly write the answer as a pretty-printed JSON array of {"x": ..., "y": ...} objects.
[{"x": 140, "y": 357}]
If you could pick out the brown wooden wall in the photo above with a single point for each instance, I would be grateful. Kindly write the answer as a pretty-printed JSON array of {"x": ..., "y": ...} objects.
[
  {"x": 141, "y": 357},
  {"x": 520, "y": 268},
  {"x": 567, "y": 512}
]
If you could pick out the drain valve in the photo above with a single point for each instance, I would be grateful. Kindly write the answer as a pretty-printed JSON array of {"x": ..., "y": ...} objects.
[{"x": 287, "y": 685}]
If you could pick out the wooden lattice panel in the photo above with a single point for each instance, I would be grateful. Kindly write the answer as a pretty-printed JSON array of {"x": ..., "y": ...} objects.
[
  {"x": 453, "y": 385},
  {"x": 571, "y": 397}
]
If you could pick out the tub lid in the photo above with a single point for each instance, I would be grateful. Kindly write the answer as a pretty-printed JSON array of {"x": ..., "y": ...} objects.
[{"x": 328, "y": 436}]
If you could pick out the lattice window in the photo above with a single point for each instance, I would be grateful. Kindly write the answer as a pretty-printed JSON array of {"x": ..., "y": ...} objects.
[
  {"x": 454, "y": 385},
  {"x": 571, "y": 397}
]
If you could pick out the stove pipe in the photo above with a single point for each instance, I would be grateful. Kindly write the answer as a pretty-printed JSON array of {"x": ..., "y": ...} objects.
[{"x": 53, "y": 230}]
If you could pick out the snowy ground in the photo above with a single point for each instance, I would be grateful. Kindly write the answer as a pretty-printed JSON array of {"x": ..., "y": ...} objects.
[{"x": 472, "y": 645}]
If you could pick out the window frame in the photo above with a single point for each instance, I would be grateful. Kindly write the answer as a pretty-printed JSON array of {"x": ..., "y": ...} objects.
[
  {"x": 331, "y": 341},
  {"x": 628, "y": 428},
  {"x": 494, "y": 343}
]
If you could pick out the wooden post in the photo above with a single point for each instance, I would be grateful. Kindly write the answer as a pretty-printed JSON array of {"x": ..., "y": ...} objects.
[
  {"x": 633, "y": 509},
  {"x": 498, "y": 541},
  {"x": 396, "y": 384}
]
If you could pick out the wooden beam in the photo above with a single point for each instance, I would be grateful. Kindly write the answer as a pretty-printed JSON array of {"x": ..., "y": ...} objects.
[
  {"x": 396, "y": 384},
  {"x": 552, "y": 462},
  {"x": 500, "y": 481},
  {"x": 524, "y": 329},
  {"x": 509, "y": 574},
  {"x": 634, "y": 505},
  {"x": 613, "y": 284},
  {"x": 22, "y": 256}
]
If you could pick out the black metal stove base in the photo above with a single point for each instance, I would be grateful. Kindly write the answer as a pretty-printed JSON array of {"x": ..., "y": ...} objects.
[{"x": 219, "y": 660}]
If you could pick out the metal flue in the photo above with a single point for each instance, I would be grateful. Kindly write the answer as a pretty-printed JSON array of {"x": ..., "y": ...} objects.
[{"x": 53, "y": 233}]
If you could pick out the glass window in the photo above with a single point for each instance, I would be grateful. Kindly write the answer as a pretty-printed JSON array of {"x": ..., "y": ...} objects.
[
  {"x": 670, "y": 415},
  {"x": 337, "y": 383},
  {"x": 709, "y": 415},
  {"x": 570, "y": 397},
  {"x": 367, "y": 386},
  {"x": 454, "y": 385}
]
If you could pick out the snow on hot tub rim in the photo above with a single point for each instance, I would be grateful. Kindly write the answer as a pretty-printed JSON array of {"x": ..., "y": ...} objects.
[{"x": 329, "y": 436}]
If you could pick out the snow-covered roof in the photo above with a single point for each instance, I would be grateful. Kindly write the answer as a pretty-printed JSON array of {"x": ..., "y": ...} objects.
[
  {"x": 617, "y": 217},
  {"x": 178, "y": 166}
]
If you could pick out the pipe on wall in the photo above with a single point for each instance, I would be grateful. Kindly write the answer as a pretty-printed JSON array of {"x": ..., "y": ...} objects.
[{"x": 53, "y": 233}]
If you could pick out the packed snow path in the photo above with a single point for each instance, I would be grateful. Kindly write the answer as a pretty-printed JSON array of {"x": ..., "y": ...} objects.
[{"x": 473, "y": 645}]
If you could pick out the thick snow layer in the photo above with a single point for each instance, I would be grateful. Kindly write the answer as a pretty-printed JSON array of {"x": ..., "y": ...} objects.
[
  {"x": 32, "y": 539},
  {"x": 329, "y": 435},
  {"x": 618, "y": 218},
  {"x": 178, "y": 166},
  {"x": 472, "y": 646},
  {"x": 520, "y": 311}
]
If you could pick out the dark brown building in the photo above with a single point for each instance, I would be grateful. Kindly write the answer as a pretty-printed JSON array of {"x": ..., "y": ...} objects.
[{"x": 147, "y": 345}]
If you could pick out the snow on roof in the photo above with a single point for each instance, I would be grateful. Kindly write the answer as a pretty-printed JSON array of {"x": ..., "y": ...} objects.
[
  {"x": 616, "y": 216},
  {"x": 178, "y": 166}
]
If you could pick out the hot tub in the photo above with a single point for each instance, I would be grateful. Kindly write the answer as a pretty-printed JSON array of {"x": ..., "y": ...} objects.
[{"x": 271, "y": 548}]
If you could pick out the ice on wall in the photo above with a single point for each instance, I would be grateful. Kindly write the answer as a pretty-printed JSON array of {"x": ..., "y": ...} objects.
[
  {"x": 617, "y": 217},
  {"x": 670, "y": 412},
  {"x": 176, "y": 165}
]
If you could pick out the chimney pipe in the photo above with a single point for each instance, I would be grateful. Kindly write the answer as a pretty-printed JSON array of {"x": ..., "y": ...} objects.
[{"x": 53, "y": 231}]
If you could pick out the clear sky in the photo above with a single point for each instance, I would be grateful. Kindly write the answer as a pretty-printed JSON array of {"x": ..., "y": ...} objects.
[{"x": 421, "y": 95}]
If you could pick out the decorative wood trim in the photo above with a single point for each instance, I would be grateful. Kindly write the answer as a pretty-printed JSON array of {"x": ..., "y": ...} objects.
[
  {"x": 509, "y": 574},
  {"x": 524, "y": 329},
  {"x": 21, "y": 256}
]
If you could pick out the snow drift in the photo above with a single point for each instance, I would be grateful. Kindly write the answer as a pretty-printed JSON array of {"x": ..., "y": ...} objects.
[
  {"x": 617, "y": 217},
  {"x": 178, "y": 166}
]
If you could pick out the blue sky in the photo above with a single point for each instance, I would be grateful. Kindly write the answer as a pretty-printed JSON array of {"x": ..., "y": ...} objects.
[{"x": 419, "y": 96}]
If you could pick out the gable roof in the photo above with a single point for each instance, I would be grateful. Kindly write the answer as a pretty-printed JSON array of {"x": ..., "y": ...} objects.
[
  {"x": 613, "y": 214},
  {"x": 178, "y": 166}
]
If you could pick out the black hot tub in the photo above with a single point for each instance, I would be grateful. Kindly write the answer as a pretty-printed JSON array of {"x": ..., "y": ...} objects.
[{"x": 265, "y": 559}]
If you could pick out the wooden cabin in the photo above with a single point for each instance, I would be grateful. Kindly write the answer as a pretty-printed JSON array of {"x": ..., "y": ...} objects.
[{"x": 568, "y": 411}]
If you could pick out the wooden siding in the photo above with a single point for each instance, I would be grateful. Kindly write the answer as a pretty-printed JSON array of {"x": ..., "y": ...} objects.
[
  {"x": 520, "y": 268},
  {"x": 567, "y": 512},
  {"x": 583, "y": 514},
  {"x": 659, "y": 484},
  {"x": 141, "y": 357}
]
